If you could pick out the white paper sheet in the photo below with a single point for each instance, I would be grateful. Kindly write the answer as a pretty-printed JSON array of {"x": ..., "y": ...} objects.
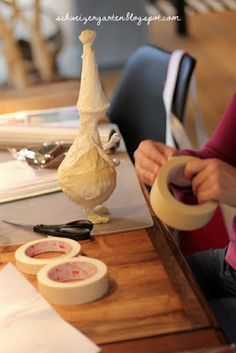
[
  {"x": 29, "y": 324},
  {"x": 18, "y": 181}
]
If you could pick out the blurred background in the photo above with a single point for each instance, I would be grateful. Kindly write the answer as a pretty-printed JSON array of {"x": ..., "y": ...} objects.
[{"x": 37, "y": 47}]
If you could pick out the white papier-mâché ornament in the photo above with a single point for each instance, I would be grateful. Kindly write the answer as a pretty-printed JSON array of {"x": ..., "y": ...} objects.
[{"x": 87, "y": 175}]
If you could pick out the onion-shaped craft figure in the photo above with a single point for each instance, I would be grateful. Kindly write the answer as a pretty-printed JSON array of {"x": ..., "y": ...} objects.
[{"x": 87, "y": 175}]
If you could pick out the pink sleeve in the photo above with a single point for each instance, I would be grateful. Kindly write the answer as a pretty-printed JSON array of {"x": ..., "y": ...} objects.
[{"x": 222, "y": 144}]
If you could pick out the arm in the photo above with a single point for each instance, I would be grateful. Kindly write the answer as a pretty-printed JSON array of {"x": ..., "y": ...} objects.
[
  {"x": 222, "y": 144},
  {"x": 214, "y": 177},
  {"x": 150, "y": 155}
]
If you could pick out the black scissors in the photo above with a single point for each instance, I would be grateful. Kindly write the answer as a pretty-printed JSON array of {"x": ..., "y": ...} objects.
[{"x": 77, "y": 230}]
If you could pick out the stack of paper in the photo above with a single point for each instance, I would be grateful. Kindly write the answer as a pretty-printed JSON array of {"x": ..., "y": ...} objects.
[
  {"x": 25, "y": 128},
  {"x": 29, "y": 324},
  {"x": 18, "y": 181}
]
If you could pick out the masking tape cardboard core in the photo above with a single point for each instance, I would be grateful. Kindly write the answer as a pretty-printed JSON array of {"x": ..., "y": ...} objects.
[
  {"x": 90, "y": 281},
  {"x": 24, "y": 255},
  {"x": 171, "y": 211}
]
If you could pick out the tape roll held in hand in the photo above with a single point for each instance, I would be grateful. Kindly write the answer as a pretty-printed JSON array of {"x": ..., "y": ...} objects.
[
  {"x": 27, "y": 263},
  {"x": 171, "y": 211},
  {"x": 90, "y": 281}
]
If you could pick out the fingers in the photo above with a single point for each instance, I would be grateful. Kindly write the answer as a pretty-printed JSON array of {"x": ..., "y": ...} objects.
[
  {"x": 194, "y": 167},
  {"x": 211, "y": 193},
  {"x": 149, "y": 157},
  {"x": 165, "y": 150},
  {"x": 155, "y": 151},
  {"x": 146, "y": 176},
  {"x": 149, "y": 149},
  {"x": 205, "y": 178},
  {"x": 147, "y": 163},
  {"x": 200, "y": 180}
]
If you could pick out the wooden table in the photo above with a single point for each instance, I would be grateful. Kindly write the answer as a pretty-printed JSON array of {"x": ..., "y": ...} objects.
[{"x": 153, "y": 303}]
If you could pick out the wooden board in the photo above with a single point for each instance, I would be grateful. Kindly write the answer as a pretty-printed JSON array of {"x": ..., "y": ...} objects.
[
  {"x": 127, "y": 206},
  {"x": 179, "y": 342},
  {"x": 143, "y": 300}
]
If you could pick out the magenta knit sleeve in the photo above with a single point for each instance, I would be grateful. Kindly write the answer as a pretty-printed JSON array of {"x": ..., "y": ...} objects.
[{"x": 222, "y": 144}]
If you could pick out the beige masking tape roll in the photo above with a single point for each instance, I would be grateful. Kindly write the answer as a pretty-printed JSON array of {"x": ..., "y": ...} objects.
[
  {"x": 76, "y": 281},
  {"x": 168, "y": 209},
  {"x": 24, "y": 255}
]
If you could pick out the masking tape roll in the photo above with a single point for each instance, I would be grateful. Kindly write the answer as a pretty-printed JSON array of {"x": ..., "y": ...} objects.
[
  {"x": 90, "y": 281},
  {"x": 168, "y": 209},
  {"x": 24, "y": 255}
]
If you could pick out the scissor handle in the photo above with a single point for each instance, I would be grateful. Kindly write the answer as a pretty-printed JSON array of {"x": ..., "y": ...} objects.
[
  {"x": 80, "y": 223},
  {"x": 84, "y": 231}
]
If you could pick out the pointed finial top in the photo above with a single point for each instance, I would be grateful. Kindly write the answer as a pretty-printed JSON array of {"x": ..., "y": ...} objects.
[
  {"x": 91, "y": 95},
  {"x": 87, "y": 36}
]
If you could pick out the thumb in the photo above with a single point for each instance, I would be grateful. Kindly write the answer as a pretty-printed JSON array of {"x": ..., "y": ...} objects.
[
  {"x": 194, "y": 167},
  {"x": 166, "y": 151}
]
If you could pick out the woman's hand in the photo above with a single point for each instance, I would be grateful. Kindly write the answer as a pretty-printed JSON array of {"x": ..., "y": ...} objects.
[
  {"x": 149, "y": 157},
  {"x": 212, "y": 179}
]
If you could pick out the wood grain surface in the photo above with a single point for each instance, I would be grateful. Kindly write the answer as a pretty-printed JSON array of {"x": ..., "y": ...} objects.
[{"x": 143, "y": 299}]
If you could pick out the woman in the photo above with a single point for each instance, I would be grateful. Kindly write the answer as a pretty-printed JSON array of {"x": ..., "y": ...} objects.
[{"x": 213, "y": 178}]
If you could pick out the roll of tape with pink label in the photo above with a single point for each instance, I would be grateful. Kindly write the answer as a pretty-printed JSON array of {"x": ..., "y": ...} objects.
[{"x": 75, "y": 281}]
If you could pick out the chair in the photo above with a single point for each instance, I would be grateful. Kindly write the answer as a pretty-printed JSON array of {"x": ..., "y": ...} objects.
[{"x": 137, "y": 106}]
